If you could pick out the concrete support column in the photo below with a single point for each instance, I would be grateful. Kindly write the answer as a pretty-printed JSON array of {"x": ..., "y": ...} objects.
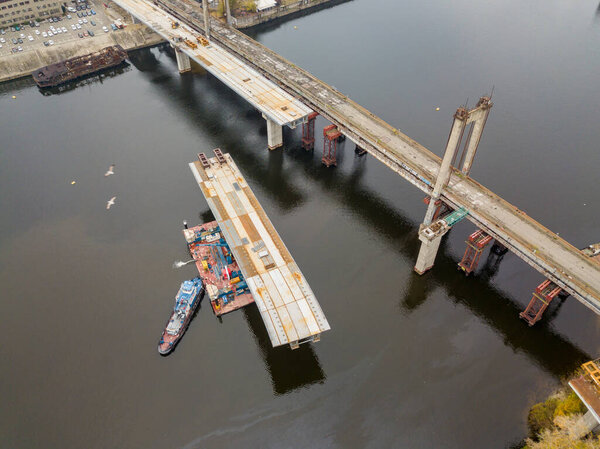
[
  {"x": 183, "y": 61},
  {"x": 484, "y": 105},
  {"x": 274, "y": 134},
  {"x": 427, "y": 253},
  {"x": 228, "y": 12},
  {"x": 458, "y": 128},
  {"x": 206, "y": 12},
  {"x": 588, "y": 423},
  {"x": 133, "y": 19}
]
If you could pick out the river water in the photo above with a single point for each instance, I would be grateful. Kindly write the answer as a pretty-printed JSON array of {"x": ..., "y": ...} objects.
[{"x": 411, "y": 362}]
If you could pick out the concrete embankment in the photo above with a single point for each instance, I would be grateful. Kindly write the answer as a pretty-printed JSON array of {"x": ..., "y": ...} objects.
[
  {"x": 23, "y": 64},
  {"x": 288, "y": 11}
]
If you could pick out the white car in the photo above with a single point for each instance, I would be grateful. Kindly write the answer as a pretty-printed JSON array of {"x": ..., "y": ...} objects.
[
  {"x": 22, "y": 36},
  {"x": 30, "y": 38},
  {"x": 44, "y": 34},
  {"x": 80, "y": 21},
  {"x": 37, "y": 32},
  {"x": 58, "y": 31},
  {"x": 84, "y": 20},
  {"x": 64, "y": 29},
  {"x": 73, "y": 27},
  {"x": 69, "y": 15},
  {"x": 105, "y": 29},
  {"x": 78, "y": 26},
  {"x": 51, "y": 42},
  {"x": 2, "y": 40}
]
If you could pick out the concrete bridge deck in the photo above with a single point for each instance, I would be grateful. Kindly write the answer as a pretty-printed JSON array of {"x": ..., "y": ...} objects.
[
  {"x": 539, "y": 247},
  {"x": 264, "y": 95}
]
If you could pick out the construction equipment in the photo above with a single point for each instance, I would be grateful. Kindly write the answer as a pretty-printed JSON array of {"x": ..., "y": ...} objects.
[
  {"x": 592, "y": 369},
  {"x": 190, "y": 44},
  {"x": 475, "y": 245},
  {"x": 202, "y": 41}
]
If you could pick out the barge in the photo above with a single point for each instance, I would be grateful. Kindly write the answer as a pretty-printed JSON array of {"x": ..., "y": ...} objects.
[
  {"x": 223, "y": 280},
  {"x": 70, "y": 69},
  {"x": 287, "y": 305}
]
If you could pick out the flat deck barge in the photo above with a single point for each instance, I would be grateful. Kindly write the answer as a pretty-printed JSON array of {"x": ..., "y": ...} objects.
[
  {"x": 70, "y": 69},
  {"x": 218, "y": 269},
  {"x": 287, "y": 305}
]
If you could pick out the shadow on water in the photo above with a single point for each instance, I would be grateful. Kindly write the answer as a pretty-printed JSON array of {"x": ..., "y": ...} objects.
[
  {"x": 217, "y": 122},
  {"x": 550, "y": 350},
  {"x": 281, "y": 362},
  {"x": 87, "y": 80}
]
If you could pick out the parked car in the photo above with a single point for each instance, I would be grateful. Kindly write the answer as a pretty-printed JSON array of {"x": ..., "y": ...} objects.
[
  {"x": 80, "y": 35},
  {"x": 20, "y": 41},
  {"x": 105, "y": 29},
  {"x": 93, "y": 12},
  {"x": 37, "y": 32},
  {"x": 20, "y": 48},
  {"x": 85, "y": 20},
  {"x": 46, "y": 43},
  {"x": 92, "y": 23},
  {"x": 51, "y": 42},
  {"x": 69, "y": 16},
  {"x": 30, "y": 38},
  {"x": 14, "y": 41},
  {"x": 91, "y": 33},
  {"x": 113, "y": 26},
  {"x": 85, "y": 34},
  {"x": 78, "y": 26}
]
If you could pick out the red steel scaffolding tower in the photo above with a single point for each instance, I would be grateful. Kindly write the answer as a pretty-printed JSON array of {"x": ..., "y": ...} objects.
[
  {"x": 542, "y": 296},
  {"x": 308, "y": 132},
  {"x": 330, "y": 138},
  {"x": 475, "y": 246}
]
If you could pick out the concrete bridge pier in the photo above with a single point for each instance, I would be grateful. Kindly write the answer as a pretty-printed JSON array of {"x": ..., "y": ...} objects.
[
  {"x": 183, "y": 60},
  {"x": 427, "y": 252},
  {"x": 478, "y": 117},
  {"x": 274, "y": 134},
  {"x": 133, "y": 19},
  {"x": 430, "y": 243}
]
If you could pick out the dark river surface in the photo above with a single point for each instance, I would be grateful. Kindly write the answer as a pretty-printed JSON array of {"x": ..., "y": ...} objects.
[{"x": 439, "y": 361}]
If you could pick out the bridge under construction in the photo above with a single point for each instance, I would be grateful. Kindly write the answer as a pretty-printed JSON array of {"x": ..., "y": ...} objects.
[{"x": 445, "y": 180}]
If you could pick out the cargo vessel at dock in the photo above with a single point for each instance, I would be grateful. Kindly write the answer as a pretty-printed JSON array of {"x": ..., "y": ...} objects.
[
  {"x": 222, "y": 277},
  {"x": 70, "y": 69}
]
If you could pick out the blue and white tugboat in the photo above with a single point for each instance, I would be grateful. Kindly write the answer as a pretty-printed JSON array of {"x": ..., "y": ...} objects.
[{"x": 186, "y": 302}]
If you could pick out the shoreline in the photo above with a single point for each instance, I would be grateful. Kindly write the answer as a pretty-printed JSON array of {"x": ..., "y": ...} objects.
[
  {"x": 21, "y": 65},
  {"x": 282, "y": 13}
]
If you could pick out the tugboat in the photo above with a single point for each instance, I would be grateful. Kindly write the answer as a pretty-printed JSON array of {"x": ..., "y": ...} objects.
[{"x": 186, "y": 302}]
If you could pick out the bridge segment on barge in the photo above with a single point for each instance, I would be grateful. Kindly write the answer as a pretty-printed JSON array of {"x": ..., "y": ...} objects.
[{"x": 440, "y": 178}]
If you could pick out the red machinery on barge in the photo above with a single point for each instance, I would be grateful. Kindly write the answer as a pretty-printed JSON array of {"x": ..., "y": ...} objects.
[
  {"x": 70, "y": 69},
  {"x": 218, "y": 269}
]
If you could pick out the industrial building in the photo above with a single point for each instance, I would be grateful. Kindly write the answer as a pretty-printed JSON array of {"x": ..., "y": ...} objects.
[{"x": 15, "y": 12}]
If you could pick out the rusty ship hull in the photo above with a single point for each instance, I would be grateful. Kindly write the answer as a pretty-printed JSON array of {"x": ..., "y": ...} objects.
[{"x": 70, "y": 69}]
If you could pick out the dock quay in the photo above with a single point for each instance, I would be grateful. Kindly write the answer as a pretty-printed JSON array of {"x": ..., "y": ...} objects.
[{"x": 287, "y": 305}]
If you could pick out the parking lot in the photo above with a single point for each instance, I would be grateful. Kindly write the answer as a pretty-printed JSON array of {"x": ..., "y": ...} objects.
[{"x": 86, "y": 22}]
